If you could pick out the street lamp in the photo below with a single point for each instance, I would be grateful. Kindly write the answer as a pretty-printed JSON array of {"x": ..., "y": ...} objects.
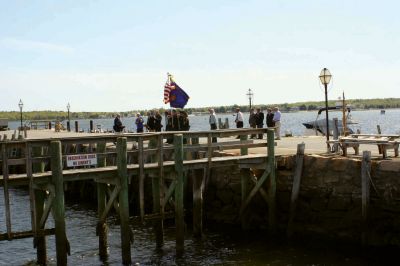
[
  {"x": 20, "y": 104},
  {"x": 325, "y": 78},
  {"x": 68, "y": 123}
]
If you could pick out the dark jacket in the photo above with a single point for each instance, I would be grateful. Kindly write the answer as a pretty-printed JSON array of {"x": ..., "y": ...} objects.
[{"x": 270, "y": 120}]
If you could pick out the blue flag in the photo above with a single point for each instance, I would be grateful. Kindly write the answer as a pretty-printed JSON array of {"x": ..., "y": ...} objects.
[{"x": 175, "y": 95}]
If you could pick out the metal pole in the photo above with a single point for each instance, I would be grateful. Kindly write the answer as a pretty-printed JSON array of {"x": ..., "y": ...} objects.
[
  {"x": 21, "y": 116},
  {"x": 327, "y": 119},
  {"x": 69, "y": 123}
]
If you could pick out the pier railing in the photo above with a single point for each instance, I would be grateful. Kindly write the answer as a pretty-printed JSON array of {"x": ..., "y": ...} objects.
[{"x": 112, "y": 161}]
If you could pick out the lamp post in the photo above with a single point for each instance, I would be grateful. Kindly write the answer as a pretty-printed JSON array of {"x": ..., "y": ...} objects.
[
  {"x": 250, "y": 95},
  {"x": 68, "y": 123},
  {"x": 325, "y": 78},
  {"x": 20, "y": 104}
]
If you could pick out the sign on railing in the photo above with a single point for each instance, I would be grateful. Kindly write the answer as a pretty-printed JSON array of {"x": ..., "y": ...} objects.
[{"x": 81, "y": 160}]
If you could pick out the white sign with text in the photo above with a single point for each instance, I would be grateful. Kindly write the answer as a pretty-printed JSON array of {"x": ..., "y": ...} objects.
[{"x": 81, "y": 160}]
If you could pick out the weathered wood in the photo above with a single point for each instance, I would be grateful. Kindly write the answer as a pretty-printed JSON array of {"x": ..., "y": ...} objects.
[
  {"x": 155, "y": 183},
  {"x": 26, "y": 234},
  {"x": 141, "y": 177},
  {"x": 272, "y": 182},
  {"x": 6, "y": 192},
  {"x": 126, "y": 233},
  {"x": 39, "y": 241},
  {"x": 102, "y": 227},
  {"x": 244, "y": 150},
  {"x": 255, "y": 189},
  {"x": 365, "y": 189},
  {"x": 198, "y": 177},
  {"x": 58, "y": 204},
  {"x": 296, "y": 187},
  {"x": 179, "y": 211},
  {"x": 335, "y": 134}
]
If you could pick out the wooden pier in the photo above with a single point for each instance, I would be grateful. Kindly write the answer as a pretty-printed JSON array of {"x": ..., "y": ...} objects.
[{"x": 115, "y": 162}]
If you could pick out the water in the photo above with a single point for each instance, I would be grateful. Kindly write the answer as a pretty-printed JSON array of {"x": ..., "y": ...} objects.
[
  {"x": 220, "y": 246},
  {"x": 367, "y": 121}
]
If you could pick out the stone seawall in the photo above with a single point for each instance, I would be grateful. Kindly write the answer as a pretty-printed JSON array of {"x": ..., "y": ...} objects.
[{"x": 329, "y": 203}]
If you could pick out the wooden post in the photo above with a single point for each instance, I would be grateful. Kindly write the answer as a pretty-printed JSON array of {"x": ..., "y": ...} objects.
[
  {"x": 220, "y": 126},
  {"x": 179, "y": 215},
  {"x": 40, "y": 241},
  {"x": 141, "y": 178},
  {"x": 124, "y": 201},
  {"x": 102, "y": 227},
  {"x": 378, "y": 128},
  {"x": 296, "y": 187},
  {"x": 58, "y": 203},
  {"x": 91, "y": 126},
  {"x": 198, "y": 177},
  {"x": 76, "y": 127},
  {"x": 365, "y": 174},
  {"x": 335, "y": 134},
  {"x": 244, "y": 178},
  {"x": 226, "y": 123},
  {"x": 243, "y": 151},
  {"x": 6, "y": 192},
  {"x": 272, "y": 181},
  {"x": 158, "y": 224}
]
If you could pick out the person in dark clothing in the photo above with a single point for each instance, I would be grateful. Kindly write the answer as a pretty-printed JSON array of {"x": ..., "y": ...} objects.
[
  {"x": 139, "y": 123},
  {"x": 157, "y": 122},
  {"x": 118, "y": 127},
  {"x": 151, "y": 122},
  {"x": 270, "y": 118},
  {"x": 183, "y": 123},
  {"x": 252, "y": 121},
  {"x": 260, "y": 121},
  {"x": 169, "y": 125}
]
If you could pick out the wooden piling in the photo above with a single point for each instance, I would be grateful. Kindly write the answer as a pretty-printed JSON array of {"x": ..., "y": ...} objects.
[
  {"x": 198, "y": 176},
  {"x": 179, "y": 212},
  {"x": 244, "y": 178},
  {"x": 102, "y": 227},
  {"x": 58, "y": 203},
  {"x": 6, "y": 192},
  {"x": 40, "y": 240},
  {"x": 91, "y": 126},
  {"x": 124, "y": 200},
  {"x": 335, "y": 134},
  {"x": 141, "y": 178},
  {"x": 272, "y": 181},
  {"x": 76, "y": 127},
  {"x": 365, "y": 186},
  {"x": 296, "y": 187},
  {"x": 158, "y": 224}
]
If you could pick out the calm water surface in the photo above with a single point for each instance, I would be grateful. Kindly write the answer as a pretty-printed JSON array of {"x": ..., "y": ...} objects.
[
  {"x": 367, "y": 121},
  {"x": 219, "y": 246}
]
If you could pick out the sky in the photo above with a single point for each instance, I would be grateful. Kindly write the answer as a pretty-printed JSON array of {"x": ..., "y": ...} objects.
[{"x": 115, "y": 55}]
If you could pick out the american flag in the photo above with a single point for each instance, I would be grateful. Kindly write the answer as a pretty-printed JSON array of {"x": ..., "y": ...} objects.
[{"x": 167, "y": 91}]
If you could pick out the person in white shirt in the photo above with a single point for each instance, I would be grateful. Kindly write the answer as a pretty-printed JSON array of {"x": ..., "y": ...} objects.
[
  {"x": 277, "y": 121},
  {"x": 239, "y": 118},
  {"x": 213, "y": 122}
]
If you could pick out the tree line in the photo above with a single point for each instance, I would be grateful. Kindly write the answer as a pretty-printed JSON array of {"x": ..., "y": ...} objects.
[{"x": 358, "y": 104}]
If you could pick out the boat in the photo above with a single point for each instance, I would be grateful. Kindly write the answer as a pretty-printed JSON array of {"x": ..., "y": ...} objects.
[{"x": 318, "y": 126}]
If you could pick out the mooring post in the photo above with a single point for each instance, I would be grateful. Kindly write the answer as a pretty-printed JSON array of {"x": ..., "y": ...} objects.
[
  {"x": 76, "y": 127},
  {"x": 40, "y": 241},
  {"x": 158, "y": 224},
  {"x": 296, "y": 187},
  {"x": 102, "y": 227},
  {"x": 141, "y": 177},
  {"x": 335, "y": 134},
  {"x": 244, "y": 178},
  {"x": 226, "y": 123},
  {"x": 272, "y": 181},
  {"x": 91, "y": 126},
  {"x": 58, "y": 203},
  {"x": 40, "y": 196},
  {"x": 365, "y": 185},
  {"x": 179, "y": 215},
  {"x": 124, "y": 201}
]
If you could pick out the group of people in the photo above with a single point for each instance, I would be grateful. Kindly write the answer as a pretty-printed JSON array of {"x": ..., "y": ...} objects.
[
  {"x": 175, "y": 121},
  {"x": 153, "y": 124},
  {"x": 179, "y": 121},
  {"x": 256, "y": 120}
]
